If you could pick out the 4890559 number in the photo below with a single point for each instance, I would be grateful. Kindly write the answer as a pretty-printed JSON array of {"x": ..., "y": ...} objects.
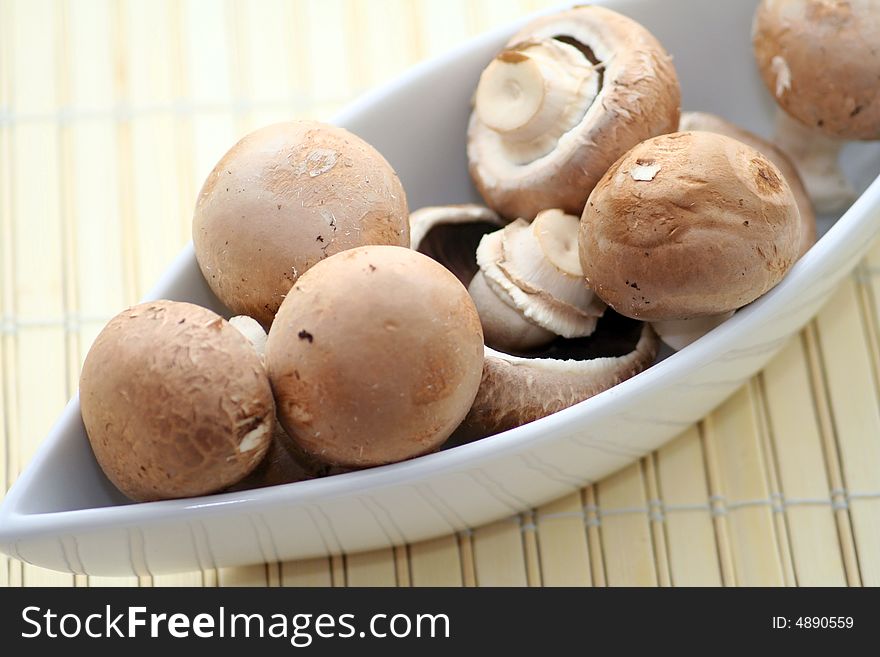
[{"x": 824, "y": 622}]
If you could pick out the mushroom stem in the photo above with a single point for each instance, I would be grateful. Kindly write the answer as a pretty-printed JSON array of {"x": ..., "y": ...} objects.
[
  {"x": 679, "y": 333},
  {"x": 533, "y": 93},
  {"x": 815, "y": 155},
  {"x": 504, "y": 325},
  {"x": 252, "y": 330}
]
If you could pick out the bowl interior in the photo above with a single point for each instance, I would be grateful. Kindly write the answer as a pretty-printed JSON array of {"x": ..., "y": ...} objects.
[{"x": 418, "y": 122}]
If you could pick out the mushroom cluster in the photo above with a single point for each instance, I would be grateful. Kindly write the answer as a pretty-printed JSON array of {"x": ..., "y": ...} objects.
[
  {"x": 365, "y": 335},
  {"x": 820, "y": 61}
]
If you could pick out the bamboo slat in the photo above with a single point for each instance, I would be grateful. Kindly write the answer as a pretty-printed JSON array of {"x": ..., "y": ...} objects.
[
  {"x": 658, "y": 531},
  {"x": 499, "y": 558},
  {"x": 256, "y": 575},
  {"x": 184, "y": 579},
  {"x": 832, "y": 457},
  {"x": 803, "y": 476},
  {"x": 690, "y": 534},
  {"x": 468, "y": 564},
  {"x": 442, "y": 24},
  {"x": 436, "y": 562},
  {"x": 562, "y": 540},
  {"x": 375, "y": 568},
  {"x": 783, "y": 543},
  {"x": 856, "y": 415},
  {"x": 594, "y": 538},
  {"x": 626, "y": 533},
  {"x": 307, "y": 572},
  {"x": 741, "y": 492}
]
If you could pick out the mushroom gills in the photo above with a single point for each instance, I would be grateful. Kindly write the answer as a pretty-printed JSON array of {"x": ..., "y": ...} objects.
[
  {"x": 450, "y": 234},
  {"x": 542, "y": 258},
  {"x": 533, "y": 269},
  {"x": 503, "y": 323}
]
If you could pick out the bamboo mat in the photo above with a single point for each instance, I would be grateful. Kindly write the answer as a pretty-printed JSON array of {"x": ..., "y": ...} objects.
[{"x": 111, "y": 115}]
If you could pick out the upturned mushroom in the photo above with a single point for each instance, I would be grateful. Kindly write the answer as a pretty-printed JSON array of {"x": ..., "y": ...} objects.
[
  {"x": 530, "y": 286},
  {"x": 526, "y": 385},
  {"x": 688, "y": 225},
  {"x": 375, "y": 357},
  {"x": 518, "y": 389},
  {"x": 819, "y": 59},
  {"x": 175, "y": 402},
  {"x": 285, "y": 197},
  {"x": 703, "y": 121},
  {"x": 569, "y": 94}
]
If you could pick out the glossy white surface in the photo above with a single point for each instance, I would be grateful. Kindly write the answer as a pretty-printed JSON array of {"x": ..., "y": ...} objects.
[{"x": 62, "y": 513}]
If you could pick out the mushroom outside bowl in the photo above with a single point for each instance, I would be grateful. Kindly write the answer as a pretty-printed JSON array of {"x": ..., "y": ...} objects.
[{"x": 63, "y": 513}]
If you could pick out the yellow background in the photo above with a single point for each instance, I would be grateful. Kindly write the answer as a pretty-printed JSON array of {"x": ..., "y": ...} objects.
[{"x": 111, "y": 114}]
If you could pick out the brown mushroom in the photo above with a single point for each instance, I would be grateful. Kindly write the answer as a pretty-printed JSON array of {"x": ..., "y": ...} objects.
[
  {"x": 711, "y": 123},
  {"x": 375, "y": 357},
  {"x": 819, "y": 59},
  {"x": 551, "y": 376},
  {"x": 687, "y": 225},
  {"x": 175, "y": 402},
  {"x": 570, "y": 93},
  {"x": 285, "y": 197}
]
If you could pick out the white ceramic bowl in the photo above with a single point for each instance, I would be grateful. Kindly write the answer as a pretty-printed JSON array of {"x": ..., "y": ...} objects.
[{"x": 62, "y": 513}]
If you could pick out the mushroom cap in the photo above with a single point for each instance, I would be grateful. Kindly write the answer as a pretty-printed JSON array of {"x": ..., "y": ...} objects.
[
  {"x": 639, "y": 98},
  {"x": 688, "y": 224},
  {"x": 375, "y": 356},
  {"x": 285, "y": 197},
  {"x": 712, "y": 123},
  {"x": 820, "y": 60},
  {"x": 175, "y": 402}
]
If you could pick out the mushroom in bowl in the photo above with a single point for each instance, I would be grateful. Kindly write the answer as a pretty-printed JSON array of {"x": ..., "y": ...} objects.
[
  {"x": 175, "y": 402},
  {"x": 285, "y": 197},
  {"x": 686, "y": 228},
  {"x": 569, "y": 94},
  {"x": 819, "y": 59}
]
